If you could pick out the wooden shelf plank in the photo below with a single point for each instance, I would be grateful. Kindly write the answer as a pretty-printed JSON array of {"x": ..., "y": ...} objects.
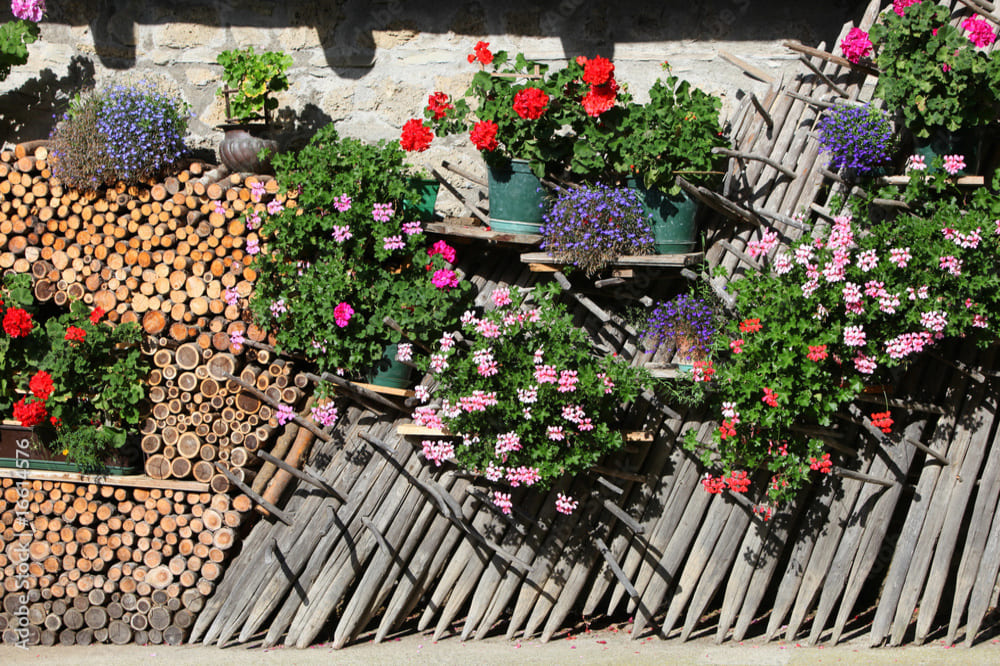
[
  {"x": 639, "y": 261},
  {"x": 136, "y": 481},
  {"x": 455, "y": 228},
  {"x": 386, "y": 390},
  {"x": 640, "y": 436}
]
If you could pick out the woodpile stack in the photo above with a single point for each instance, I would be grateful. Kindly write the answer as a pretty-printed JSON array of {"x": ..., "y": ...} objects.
[
  {"x": 162, "y": 255},
  {"x": 110, "y": 564}
]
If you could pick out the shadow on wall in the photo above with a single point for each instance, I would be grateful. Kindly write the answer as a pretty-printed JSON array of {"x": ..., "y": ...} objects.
[
  {"x": 30, "y": 110},
  {"x": 346, "y": 28}
]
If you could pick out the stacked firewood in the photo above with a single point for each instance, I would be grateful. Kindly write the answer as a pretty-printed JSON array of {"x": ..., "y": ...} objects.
[
  {"x": 203, "y": 423},
  {"x": 88, "y": 563},
  {"x": 162, "y": 254},
  {"x": 172, "y": 257}
]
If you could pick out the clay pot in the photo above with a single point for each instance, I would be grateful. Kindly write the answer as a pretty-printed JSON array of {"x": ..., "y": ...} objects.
[{"x": 241, "y": 147}]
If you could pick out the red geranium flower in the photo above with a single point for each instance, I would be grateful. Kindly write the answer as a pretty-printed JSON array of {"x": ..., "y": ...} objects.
[
  {"x": 600, "y": 98},
  {"x": 529, "y": 103},
  {"x": 75, "y": 334},
  {"x": 415, "y": 136},
  {"x": 482, "y": 53},
  {"x": 17, "y": 323},
  {"x": 750, "y": 325},
  {"x": 96, "y": 314},
  {"x": 598, "y": 71},
  {"x": 31, "y": 413},
  {"x": 484, "y": 135},
  {"x": 438, "y": 104},
  {"x": 41, "y": 385}
]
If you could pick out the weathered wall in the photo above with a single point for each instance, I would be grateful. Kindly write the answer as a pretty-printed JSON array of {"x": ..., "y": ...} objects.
[{"x": 369, "y": 66}]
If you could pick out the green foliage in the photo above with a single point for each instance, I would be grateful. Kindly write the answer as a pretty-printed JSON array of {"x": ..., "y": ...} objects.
[
  {"x": 14, "y": 39},
  {"x": 307, "y": 269},
  {"x": 941, "y": 282},
  {"x": 98, "y": 382},
  {"x": 532, "y": 320},
  {"x": 674, "y": 131},
  {"x": 252, "y": 76},
  {"x": 932, "y": 73}
]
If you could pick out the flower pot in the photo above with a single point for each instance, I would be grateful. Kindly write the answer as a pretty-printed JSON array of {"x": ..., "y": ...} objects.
[
  {"x": 672, "y": 218},
  {"x": 21, "y": 448},
  {"x": 941, "y": 142},
  {"x": 421, "y": 210},
  {"x": 241, "y": 147},
  {"x": 516, "y": 198},
  {"x": 390, "y": 372}
]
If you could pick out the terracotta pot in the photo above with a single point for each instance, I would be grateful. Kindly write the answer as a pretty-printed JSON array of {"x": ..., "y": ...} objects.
[{"x": 241, "y": 147}]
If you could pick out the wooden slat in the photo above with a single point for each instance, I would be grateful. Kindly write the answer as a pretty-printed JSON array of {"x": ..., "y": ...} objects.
[{"x": 134, "y": 481}]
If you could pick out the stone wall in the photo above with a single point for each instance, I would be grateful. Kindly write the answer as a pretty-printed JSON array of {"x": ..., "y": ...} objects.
[{"x": 368, "y": 66}]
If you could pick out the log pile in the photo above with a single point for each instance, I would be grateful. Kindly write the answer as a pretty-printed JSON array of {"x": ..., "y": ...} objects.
[
  {"x": 106, "y": 564},
  {"x": 161, "y": 254}
]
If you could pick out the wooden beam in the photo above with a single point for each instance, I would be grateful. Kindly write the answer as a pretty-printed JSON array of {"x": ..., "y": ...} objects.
[
  {"x": 819, "y": 53},
  {"x": 826, "y": 79},
  {"x": 858, "y": 476},
  {"x": 616, "y": 569},
  {"x": 302, "y": 475},
  {"x": 739, "y": 154},
  {"x": 452, "y": 228},
  {"x": 768, "y": 120},
  {"x": 748, "y": 69},
  {"x": 630, "y": 260},
  {"x": 130, "y": 481}
]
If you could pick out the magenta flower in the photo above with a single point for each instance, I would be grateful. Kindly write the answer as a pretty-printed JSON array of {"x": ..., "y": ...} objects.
[
  {"x": 284, "y": 414},
  {"x": 342, "y": 203},
  {"x": 954, "y": 163},
  {"x": 342, "y": 314},
  {"x": 325, "y": 414},
  {"x": 341, "y": 233},
  {"x": 274, "y": 207},
  {"x": 916, "y": 163},
  {"x": 393, "y": 243},
  {"x": 253, "y": 220},
  {"x": 980, "y": 32},
  {"x": 231, "y": 296},
  {"x": 278, "y": 307},
  {"x": 437, "y": 451},
  {"x": 444, "y": 278},
  {"x": 404, "y": 351},
  {"x": 382, "y": 212},
  {"x": 256, "y": 190},
  {"x": 866, "y": 365},
  {"x": 899, "y": 6},
  {"x": 854, "y": 336},
  {"x": 28, "y": 10},
  {"x": 565, "y": 504},
  {"x": 856, "y": 45},
  {"x": 411, "y": 228},
  {"x": 502, "y": 501},
  {"x": 236, "y": 339}
]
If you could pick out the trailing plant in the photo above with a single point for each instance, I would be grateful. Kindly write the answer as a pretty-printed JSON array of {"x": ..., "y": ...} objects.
[
  {"x": 76, "y": 379},
  {"x": 933, "y": 73},
  {"x": 251, "y": 77},
  {"x": 525, "y": 395},
  {"x": 845, "y": 309},
  {"x": 592, "y": 226},
  {"x": 859, "y": 138},
  {"x": 337, "y": 257},
  {"x": 688, "y": 322},
  {"x": 126, "y": 133}
]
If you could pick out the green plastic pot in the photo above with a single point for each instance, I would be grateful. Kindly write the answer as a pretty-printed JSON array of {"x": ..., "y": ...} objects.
[
  {"x": 516, "y": 198},
  {"x": 941, "y": 142},
  {"x": 390, "y": 372},
  {"x": 421, "y": 210},
  {"x": 672, "y": 218}
]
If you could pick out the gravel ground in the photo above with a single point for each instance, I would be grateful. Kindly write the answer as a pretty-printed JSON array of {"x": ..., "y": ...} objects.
[{"x": 597, "y": 647}]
